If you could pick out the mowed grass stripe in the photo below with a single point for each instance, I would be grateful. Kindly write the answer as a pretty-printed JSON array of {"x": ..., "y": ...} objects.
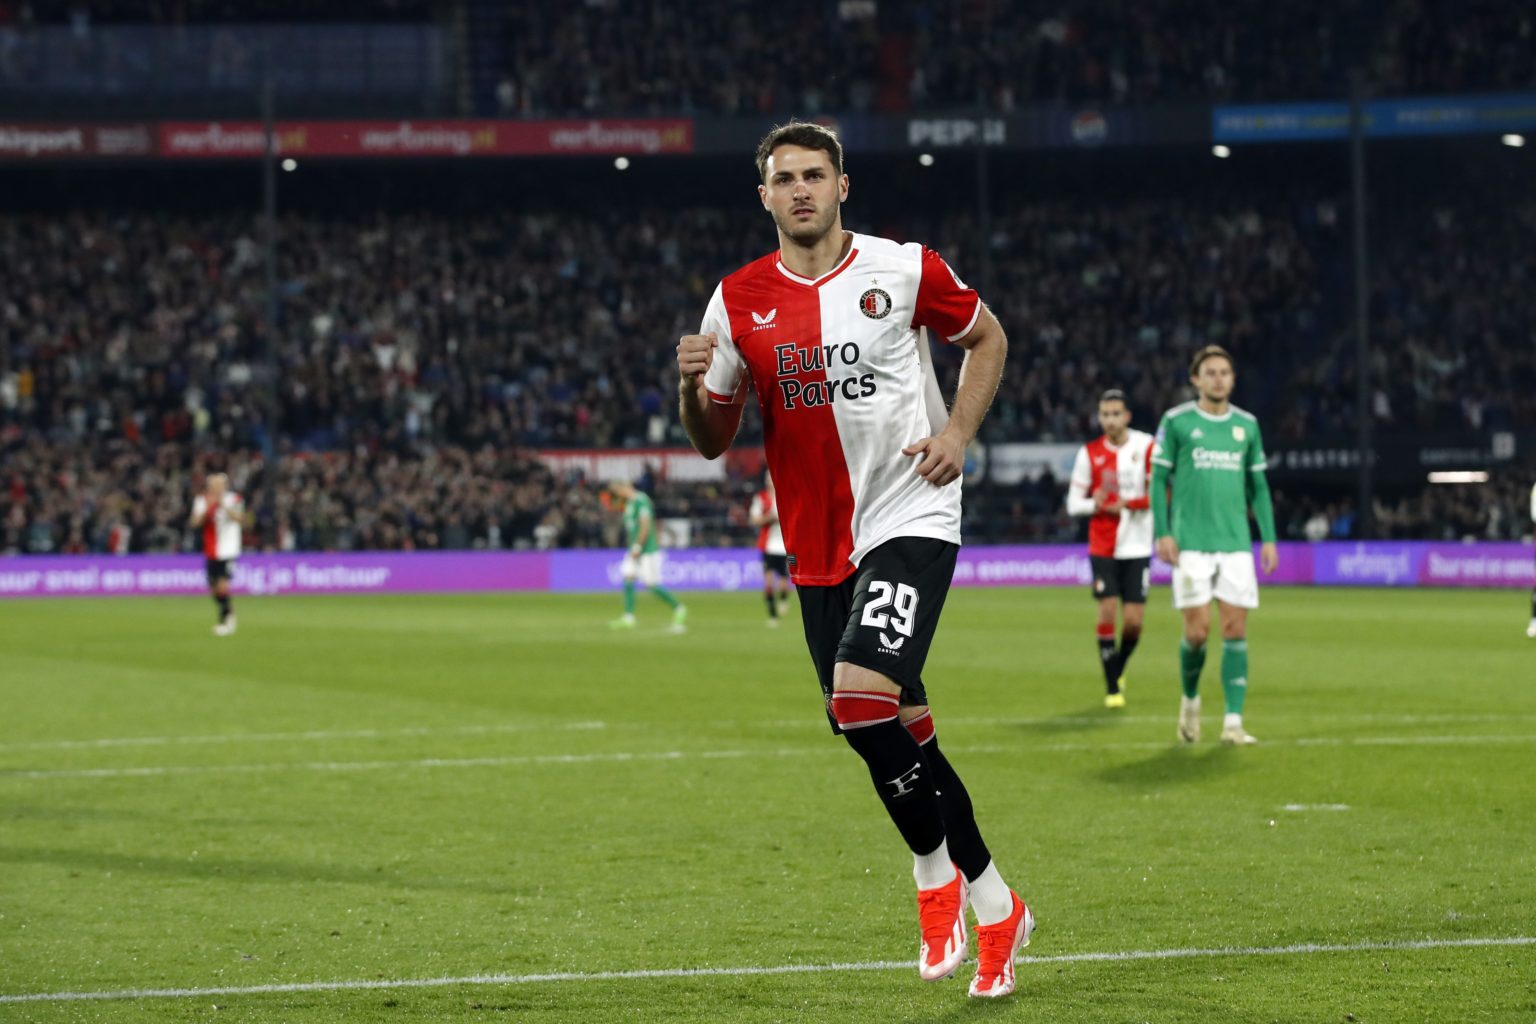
[
  {"x": 412, "y": 867},
  {"x": 1300, "y": 949},
  {"x": 626, "y": 757},
  {"x": 428, "y": 732}
]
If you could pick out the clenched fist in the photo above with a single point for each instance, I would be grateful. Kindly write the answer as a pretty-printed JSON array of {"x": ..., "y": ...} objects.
[{"x": 694, "y": 354}]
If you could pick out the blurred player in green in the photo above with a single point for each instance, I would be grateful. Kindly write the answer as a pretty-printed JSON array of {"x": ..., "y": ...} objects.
[
  {"x": 1212, "y": 454},
  {"x": 642, "y": 560}
]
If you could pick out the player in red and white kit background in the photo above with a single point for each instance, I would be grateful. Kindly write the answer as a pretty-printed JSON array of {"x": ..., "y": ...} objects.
[
  {"x": 1110, "y": 483},
  {"x": 830, "y": 333},
  {"x": 220, "y": 513},
  {"x": 764, "y": 515}
]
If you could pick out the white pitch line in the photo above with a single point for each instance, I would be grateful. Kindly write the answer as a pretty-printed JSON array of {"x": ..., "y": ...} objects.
[
  {"x": 808, "y": 722},
  {"x": 1301, "y": 949},
  {"x": 363, "y": 766},
  {"x": 308, "y": 735},
  {"x": 1298, "y": 808},
  {"x": 1405, "y": 741},
  {"x": 679, "y": 755}
]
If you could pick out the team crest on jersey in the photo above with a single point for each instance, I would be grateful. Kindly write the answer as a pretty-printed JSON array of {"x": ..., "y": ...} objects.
[
  {"x": 875, "y": 304},
  {"x": 1238, "y": 433}
]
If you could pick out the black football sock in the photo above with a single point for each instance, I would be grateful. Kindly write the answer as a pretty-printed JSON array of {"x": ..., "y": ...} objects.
[
  {"x": 223, "y": 608},
  {"x": 1107, "y": 657},
  {"x": 1130, "y": 636},
  {"x": 903, "y": 780},
  {"x": 966, "y": 847}
]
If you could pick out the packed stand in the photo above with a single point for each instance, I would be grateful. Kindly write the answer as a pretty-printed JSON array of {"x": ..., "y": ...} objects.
[
  {"x": 417, "y": 351},
  {"x": 549, "y": 331},
  {"x": 119, "y": 497},
  {"x": 898, "y": 55},
  {"x": 1499, "y": 510},
  {"x": 1454, "y": 318},
  {"x": 82, "y": 14}
]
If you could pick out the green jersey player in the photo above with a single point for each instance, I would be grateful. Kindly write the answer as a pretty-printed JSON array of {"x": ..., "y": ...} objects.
[
  {"x": 1211, "y": 453},
  {"x": 642, "y": 555}
]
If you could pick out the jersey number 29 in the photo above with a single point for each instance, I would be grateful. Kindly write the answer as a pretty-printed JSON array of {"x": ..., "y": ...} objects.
[{"x": 899, "y": 597}]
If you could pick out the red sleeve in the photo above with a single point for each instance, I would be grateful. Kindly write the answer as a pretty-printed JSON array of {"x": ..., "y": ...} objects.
[{"x": 944, "y": 303}]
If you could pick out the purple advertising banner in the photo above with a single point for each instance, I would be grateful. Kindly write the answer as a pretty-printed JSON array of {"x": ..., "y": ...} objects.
[
  {"x": 1067, "y": 565},
  {"x": 1477, "y": 565},
  {"x": 1389, "y": 564},
  {"x": 687, "y": 569},
  {"x": 312, "y": 573}
]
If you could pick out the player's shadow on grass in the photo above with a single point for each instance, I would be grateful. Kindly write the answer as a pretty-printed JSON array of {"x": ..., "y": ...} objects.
[
  {"x": 226, "y": 870},
  {"x": 1094, "y": 717},
  {"x": 1175, "y": 764}
]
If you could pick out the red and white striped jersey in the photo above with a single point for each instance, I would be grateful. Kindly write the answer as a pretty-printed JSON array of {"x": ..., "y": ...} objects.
[
  {"x": 845, "y": 380},
  {"x": 770, "y": 537},
  {"x": 221, "y": 525},
  {"x": 1126, "y": 471}
]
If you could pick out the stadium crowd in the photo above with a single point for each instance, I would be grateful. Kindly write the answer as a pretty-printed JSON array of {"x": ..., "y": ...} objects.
[
  {"x": 862, "y": 55},
  {"x": 610, "y": 57},
  {"x": 423, "y": 358}
]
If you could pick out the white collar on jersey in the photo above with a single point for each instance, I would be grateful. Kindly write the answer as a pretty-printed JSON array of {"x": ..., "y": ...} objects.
[{"x": 842, "y": 264}]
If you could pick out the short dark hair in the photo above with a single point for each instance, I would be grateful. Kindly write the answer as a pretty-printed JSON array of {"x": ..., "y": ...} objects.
[
  {"x": 1115, "y": 395},
  {"x": 804, "y": 134},
  {"x": 1210, "y": 352}
]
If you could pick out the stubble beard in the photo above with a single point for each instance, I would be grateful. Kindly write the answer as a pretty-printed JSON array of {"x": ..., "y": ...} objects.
[{"x": 807, "y": 235}]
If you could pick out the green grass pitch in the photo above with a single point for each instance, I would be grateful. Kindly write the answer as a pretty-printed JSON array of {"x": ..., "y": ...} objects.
[{"x": 539, "y": 820}]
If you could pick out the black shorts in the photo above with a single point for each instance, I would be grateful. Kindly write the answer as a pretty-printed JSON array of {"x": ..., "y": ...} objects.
[
  {"x": 218, "y": 569},
  {"x": 1125, "y": 578},
  {"x": 776, "y": 563},
  {"x": 883, "y": 616}
]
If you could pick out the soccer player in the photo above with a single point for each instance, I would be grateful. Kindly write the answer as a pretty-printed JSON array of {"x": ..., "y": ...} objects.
[
  {"x": 830, "y": 332},
  {"x": 642, "y": 560},
  {"x": 221, "y": 514},
  {"x": 1211, "y": 452},
  {"x": 764, "y": 515},
  {"x": 1109, "y": 483},
  {"x": 1530, "y": 630}
]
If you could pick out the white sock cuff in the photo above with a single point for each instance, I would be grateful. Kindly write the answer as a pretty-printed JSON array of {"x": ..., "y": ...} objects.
[
  {"x": 990, "y": 897},
  {"x": 933, "y": 870}
]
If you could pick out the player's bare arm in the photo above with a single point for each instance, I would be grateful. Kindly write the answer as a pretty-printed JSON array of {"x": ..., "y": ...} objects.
[
  {"x": 1269, "y": 558},
  {"x": 986, "y": 351},
  {"x": 711, "y": 426},
  {"x": 642, "y": 534}
]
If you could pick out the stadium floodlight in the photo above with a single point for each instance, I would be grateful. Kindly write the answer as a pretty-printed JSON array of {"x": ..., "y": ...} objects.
[
  {"x": 926, "y": 159},
  {"x": 1459, "y": 476},
  {"x": 621, "y": 162},
  {"x": 1513, "y": 140},
  {"x": 290, "y": 164},
  {"x": 1220, "y": 152}
]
